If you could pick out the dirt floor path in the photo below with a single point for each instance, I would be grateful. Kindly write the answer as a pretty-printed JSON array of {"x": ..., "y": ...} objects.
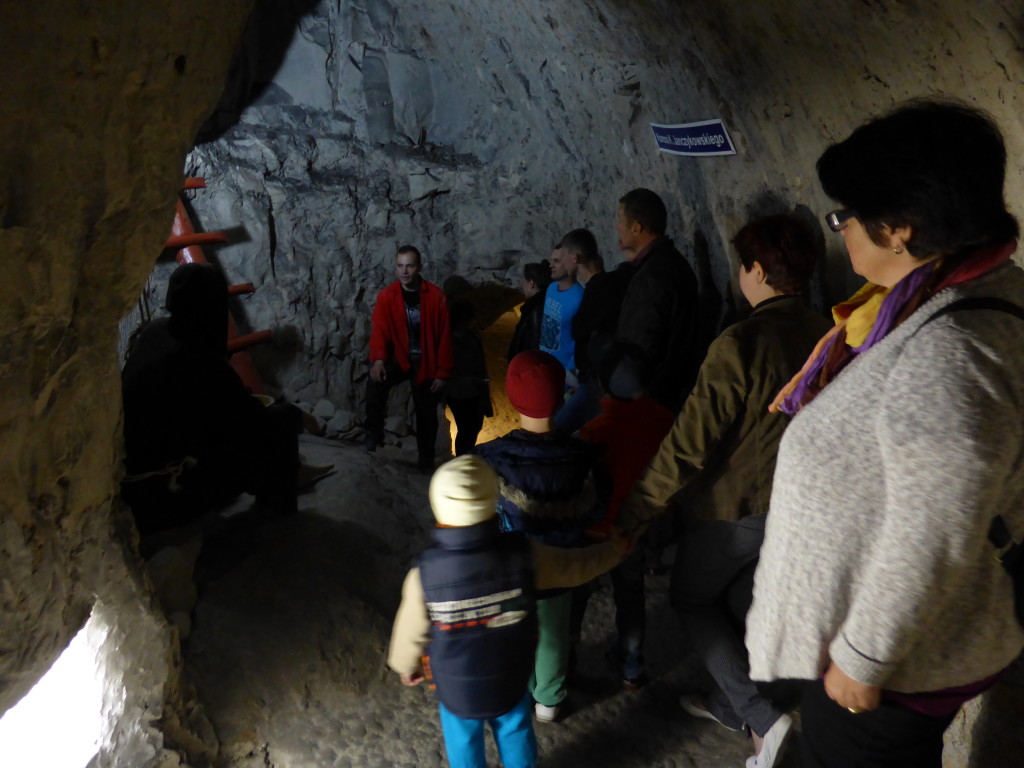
[{"x": 290, "y": 631}]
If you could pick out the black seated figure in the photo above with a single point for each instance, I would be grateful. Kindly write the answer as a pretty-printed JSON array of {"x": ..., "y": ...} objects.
[
  {"x": 468, "y": 392},
  {"x": 195, "y": 437}
]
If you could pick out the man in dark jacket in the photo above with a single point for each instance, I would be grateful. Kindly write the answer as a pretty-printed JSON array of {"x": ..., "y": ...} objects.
[
  {"x": 655, "y": 340},
  {"x": 598, "y": 315},
  {"x": 648, "y": 368},
  {"x": 194, "y": 435}
]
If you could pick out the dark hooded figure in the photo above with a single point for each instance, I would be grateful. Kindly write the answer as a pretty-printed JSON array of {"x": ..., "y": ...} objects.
[{"x": 195, "y": 437}]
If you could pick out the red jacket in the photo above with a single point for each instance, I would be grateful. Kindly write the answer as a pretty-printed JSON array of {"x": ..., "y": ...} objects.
[
  {"x": 631, "y": 432},
  {"x": 389, "y": 333}
]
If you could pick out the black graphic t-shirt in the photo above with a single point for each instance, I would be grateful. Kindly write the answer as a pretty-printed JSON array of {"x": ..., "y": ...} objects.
[{"x": 412, "y": 316}]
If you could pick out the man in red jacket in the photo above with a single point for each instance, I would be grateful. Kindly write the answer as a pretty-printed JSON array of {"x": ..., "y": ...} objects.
[{"x": 410, "y": 339}]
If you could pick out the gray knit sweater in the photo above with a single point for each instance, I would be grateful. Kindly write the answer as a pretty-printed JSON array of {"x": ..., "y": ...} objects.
[{"x": 876, "y": 553}]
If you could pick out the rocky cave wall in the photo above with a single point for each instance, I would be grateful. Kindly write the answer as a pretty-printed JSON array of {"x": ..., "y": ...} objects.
[
  {"x": 99, "y": 104},
  {"x": 481, "y": 132}
]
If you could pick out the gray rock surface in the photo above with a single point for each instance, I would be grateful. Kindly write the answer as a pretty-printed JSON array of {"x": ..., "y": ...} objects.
[
  {"x": 171, "y": 572},
  {"x": 340, "y": 425},
  {"x": 443, "y": 127},
  {"x": 483, "y": 132}
]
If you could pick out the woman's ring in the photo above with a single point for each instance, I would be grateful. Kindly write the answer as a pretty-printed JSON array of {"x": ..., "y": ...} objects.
[{"x": 854, "y": 710}]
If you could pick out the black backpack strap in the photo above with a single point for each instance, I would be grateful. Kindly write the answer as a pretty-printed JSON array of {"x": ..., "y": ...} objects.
[
  {"x": 998, "y": 533},
  {"x": 978, "y": 302}
]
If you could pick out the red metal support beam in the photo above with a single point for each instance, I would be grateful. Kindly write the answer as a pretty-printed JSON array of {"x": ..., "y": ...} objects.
[
  {"x": 239, "y": 343},
  {"x": 177, "y": 242},
  {"x": 191, "y": 252}
]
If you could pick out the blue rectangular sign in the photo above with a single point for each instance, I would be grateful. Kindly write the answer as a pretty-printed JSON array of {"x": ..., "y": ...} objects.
[{"x": 702, "y": 139}]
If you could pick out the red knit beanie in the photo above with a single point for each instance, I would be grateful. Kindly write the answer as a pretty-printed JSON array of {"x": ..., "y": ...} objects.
[{"x": 535, "y": 384}]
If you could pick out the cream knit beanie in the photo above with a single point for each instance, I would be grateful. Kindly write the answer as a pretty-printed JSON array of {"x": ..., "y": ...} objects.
[{"x": 464, "y": 491}]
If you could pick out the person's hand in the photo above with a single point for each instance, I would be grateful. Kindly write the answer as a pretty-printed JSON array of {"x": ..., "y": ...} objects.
[
  {"x": 599, "y": 532},
  {"x": 414, "y": 679},
  {"x": 849, "y": 693},
  {"x": 622, "y": 541},
  {"x": 377, "y": 372},
  {"x": 437, "y": 385},
  {"x": 635, "y": 514}
]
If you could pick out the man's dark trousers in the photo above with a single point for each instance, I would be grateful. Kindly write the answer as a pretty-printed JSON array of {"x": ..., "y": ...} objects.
[{"x": 424, "y": 401}]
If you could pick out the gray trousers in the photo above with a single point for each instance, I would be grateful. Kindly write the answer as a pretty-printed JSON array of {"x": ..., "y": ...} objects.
[{"x": 711, "y": 590}]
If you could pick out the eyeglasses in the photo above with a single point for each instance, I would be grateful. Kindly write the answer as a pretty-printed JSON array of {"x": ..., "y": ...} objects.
[{"x": 837, "y": 219}]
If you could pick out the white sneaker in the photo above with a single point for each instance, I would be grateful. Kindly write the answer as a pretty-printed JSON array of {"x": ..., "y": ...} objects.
[
  {"x": 545, "y": 713},
  {"x": 695, "y": 707},
  {"x": 774, "y": 744}
]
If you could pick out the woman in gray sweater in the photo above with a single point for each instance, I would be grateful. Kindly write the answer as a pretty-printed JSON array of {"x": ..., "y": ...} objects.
[{"x": 876, "y": 578}]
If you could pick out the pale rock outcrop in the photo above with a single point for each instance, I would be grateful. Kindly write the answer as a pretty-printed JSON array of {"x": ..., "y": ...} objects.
[{"x": 99, "y": 104}]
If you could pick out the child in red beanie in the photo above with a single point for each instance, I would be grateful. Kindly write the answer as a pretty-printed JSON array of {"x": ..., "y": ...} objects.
[{"x": 546, "y": 491}]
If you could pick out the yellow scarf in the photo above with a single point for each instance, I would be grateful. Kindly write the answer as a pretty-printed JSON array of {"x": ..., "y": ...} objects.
[
  {"x": 859, "y": 312},
  {"x": 856, "y": 316}
]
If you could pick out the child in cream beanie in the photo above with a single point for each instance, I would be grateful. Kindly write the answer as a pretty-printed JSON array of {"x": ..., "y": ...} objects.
[{"x": 464, "y": 491}]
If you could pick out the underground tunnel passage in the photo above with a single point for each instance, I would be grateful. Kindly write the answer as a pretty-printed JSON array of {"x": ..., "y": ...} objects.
[{"x": 328, "y": 134}]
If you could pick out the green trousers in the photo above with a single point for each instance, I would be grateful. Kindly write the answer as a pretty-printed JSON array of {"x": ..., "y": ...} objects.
[{"x": 552, "y": 662}]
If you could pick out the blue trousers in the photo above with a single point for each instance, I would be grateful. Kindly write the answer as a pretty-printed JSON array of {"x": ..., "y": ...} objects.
[
  {"x": 513, "y": 733},
  {"x": 583, "y": 405}
]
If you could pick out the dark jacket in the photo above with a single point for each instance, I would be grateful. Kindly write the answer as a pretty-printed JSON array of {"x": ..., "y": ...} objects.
[
  {"x": 526, "y": 335},
  {"x": 478, "y": 586},
  {"x": 469, "y": 374},
  {"x": 182, "y": 399},
  {"x": 719, "y": 456},
  {"x": 545, "y": 485},
  {"x": 658, "y": 325},
  {"x": 599, "y": 310}
]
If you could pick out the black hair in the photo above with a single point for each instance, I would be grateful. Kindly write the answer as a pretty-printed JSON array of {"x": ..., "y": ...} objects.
[
  {"x": 197, "y": 298},
  {"x": 582, "y": 242},
  {"x": 538, "y": 273},
  {"x": 935, "y": 166},
  {"x": 783, "y": 246},
  {"x": 645, "y": 208},
  {"x": 461, "y": 313}
]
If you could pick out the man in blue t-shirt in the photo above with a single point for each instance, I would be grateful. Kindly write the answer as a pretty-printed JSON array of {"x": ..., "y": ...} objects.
[{"x": 562, "y": 302}]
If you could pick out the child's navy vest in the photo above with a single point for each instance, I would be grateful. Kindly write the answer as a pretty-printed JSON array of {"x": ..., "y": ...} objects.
[{"x": 479, "y": 590}]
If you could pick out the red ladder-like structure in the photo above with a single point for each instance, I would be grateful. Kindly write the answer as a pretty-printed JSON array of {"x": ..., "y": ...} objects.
[{"x": 188, "y": 243}]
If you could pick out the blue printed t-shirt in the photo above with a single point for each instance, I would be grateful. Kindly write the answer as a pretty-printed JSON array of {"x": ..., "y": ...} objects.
[{"x": 556, "y": 328}]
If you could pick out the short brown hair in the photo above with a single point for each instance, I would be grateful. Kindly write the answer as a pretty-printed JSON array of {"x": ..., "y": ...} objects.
[
  {"x": 785, "y": 249},
  {"x": 410, "y": 249},
  {"x": 582, "y": 242}
]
